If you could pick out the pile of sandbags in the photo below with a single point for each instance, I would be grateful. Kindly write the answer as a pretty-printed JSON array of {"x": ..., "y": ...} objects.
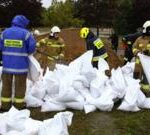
[
  {"x": 15, "y": 122},
  {"x": 80, "y": 86}
]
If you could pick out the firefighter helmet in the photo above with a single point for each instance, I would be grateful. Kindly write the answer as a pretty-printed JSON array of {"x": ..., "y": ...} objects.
[
  {"x": 54, "y": 29},
  {"x": 146, "y": 27},
  {"x": 84, "y": 32},
  {"x": 36, "y": 32}
]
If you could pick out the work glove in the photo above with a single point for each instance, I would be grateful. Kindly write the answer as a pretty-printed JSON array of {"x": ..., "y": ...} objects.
[
  {"x": 108, "y": 73},
  {"x": 61, "y": 56}
]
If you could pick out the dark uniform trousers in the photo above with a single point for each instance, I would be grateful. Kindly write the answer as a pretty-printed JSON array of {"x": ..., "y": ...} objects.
[{"x": 20, "y": 88}]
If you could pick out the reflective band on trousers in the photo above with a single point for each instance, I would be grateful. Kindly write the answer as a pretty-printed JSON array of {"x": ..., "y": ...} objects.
[
  {"x": 145, "y": 86},
  {"x": 105, "y": 55},
  {"x": 14, "y": 54},
  {"x": 13, "y": 43},
  {"x": 19, "y": 100},
  {"x": 15, "y": 70},
  {"x": 6, "y": 99}
]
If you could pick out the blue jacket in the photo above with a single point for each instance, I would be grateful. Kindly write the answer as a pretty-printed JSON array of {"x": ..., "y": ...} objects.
[
  {"x": 95, "y": 44},
  {"x": 16, "y": 43}
]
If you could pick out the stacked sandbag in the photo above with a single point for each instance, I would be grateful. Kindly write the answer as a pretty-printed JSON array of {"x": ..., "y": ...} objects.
[{"x": 15, "y": 122}]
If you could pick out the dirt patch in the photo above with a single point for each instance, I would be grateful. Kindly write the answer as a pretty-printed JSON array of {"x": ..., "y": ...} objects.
[{"x": 75, "y": 46}]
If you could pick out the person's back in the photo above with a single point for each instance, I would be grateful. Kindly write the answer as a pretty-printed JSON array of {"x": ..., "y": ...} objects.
[
  {"x": 16, "y": 43},
  {"x": 94, "y": 43}
]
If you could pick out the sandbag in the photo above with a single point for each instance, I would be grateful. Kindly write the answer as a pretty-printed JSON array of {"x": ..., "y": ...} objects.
[
  {"x": 75, "y": 105},
  {"x": 89, "y": 108},
  {"x": 32, "y": 101},
  {"x": 52, "y": 105},
  {"x": 16, "y": 119},
  {"x": 34, "y": 69},
  {"x": 57, "y": 125}
]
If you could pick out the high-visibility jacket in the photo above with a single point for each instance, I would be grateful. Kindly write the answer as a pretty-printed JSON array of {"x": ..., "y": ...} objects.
[
  {"x": 16, "y": 43},
  {"x": 128, "y": 41},
  {"x": 96, "y": 44},
  {"x": 54, "y": 48},
  {"x": 142, "y": 45}
]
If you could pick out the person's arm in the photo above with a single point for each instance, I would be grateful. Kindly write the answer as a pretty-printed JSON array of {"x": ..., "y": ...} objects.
[
  {"x": 62, "y": 48},
  {"x": 135, "y": 49}
]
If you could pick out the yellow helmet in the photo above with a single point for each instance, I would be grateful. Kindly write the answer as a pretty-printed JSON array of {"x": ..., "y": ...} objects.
[{"x": 84, "y": 32}]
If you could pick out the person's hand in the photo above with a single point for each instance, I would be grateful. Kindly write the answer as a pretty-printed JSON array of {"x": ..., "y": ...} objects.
[
  {"x": 136, "y": 53},
  {"x": 108, "y": 73},
  {"x": 61, "y": 56}
]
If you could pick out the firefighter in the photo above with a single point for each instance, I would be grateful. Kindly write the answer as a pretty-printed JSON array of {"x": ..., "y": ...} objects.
[
  {"x": 51, "y": 49},
  {"x": 142, "y": 45},
  {"x": 16, "y": 43},
  {"x": 94, "y": 43},
  {"x": 127, "y": 42}
]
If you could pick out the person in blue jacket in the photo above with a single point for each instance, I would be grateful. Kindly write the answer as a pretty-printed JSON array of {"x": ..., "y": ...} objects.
[{"x": 16, "y": 43}]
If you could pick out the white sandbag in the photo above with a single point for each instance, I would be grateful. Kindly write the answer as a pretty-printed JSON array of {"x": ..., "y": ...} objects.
[
  {"x": 75, "y": 105},
  {"x": 34, "y": 69},
  {"x": 14, "y": 132},
  {"x": 97, "y": 85},
  {"x": 51, "y": 83},
  {"x": 49, "y": 106},
  {"x": 57, "y": 125},
  {"x": 117, "y": 81},
  {"x": 90, "y": 75},
  {"x": 16, "y": 119},
  {"x": 142, "y": 101},
  {"x": 82, "y": 79},
  {"x": 145, "y": 61},
  {"x": 32, "y": 127},
  {"x": 105, "y": 101},
  {"x": 146, "y": 104},
  {"x": 102, "y": 65},
  {"x": 3, "y": 123},
  {"x": 38, "y": 90},
  {"x": 69, "y": 95},
  {"x": 128, "y": 69},
  {"x": 78, "y": 63},
  {"x": 33, "y": 101},
  {"x": 131, "y": 97},
  {"x": 77, "y": 85},
  {"x": 126, "y": 107},
  {"x": 89, "y": 108}
]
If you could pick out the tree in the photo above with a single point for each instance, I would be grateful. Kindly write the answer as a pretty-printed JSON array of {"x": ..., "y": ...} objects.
[
  {"x": 142, "y": 12},
  {"x": 30, "y": 8},
  {"x": 96, "y": 13},
  {"x": 61, "y": 14},
  {"x": 124, "y": 22}
]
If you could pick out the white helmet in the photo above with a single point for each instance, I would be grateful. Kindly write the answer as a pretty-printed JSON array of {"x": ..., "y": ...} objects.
[
  {"x": 36, "y": 32},
  {"x": 145, "y": 25},
  {"x": 54, "y": 29}
]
